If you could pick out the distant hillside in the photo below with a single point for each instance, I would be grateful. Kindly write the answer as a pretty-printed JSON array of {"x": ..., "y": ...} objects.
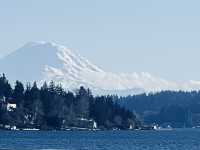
[{"x": 179, "y": 109}]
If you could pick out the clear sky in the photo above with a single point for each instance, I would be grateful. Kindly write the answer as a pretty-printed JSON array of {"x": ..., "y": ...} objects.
[{"x": 155, "y": 36}]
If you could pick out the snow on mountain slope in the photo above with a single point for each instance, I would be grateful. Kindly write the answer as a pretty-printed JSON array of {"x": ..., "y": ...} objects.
[{"x": 44, "y": 61}]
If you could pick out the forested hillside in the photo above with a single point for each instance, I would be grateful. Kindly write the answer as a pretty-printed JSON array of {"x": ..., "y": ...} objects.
[
  {"x": 51, "y": 107},
  {"x": 178, "y": 109}
]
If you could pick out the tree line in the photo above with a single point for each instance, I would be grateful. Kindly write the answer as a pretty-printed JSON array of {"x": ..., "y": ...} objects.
[
  {"x": 51, "y": 107},
  {"x": 175, "y": 108}
]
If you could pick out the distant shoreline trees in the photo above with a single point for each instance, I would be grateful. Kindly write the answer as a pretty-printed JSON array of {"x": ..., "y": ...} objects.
[{"x": 175, "y": 108}]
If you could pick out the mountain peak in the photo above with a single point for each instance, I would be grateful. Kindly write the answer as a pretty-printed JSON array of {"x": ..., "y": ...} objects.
[
  {"x": 46, "y": 61},
  {"x": 44, "y": 44},
  {"x": 39, "y": 43}
]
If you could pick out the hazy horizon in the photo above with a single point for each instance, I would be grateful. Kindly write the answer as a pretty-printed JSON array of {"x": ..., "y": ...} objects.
[{"x": 120, "y": 36}]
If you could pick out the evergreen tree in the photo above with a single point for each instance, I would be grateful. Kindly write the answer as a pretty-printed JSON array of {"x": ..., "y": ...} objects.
[
  {"x": 5, "y": 87},
  {"x": 82, "y": 106},
  {"x": 36, "y": 108},
  {"x": 18, "y": 93}
]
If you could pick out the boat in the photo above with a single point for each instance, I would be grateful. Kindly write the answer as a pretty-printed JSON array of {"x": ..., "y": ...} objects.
[
  {"x": 31, "y": 129},
  {"x": 158, "y": 128}
]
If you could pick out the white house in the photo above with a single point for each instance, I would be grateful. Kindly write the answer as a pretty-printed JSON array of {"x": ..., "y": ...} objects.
[{"x": 11, "y": 107}]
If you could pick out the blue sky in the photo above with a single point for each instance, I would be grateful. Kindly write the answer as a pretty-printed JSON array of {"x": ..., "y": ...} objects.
[{"x": 159, "y": 37}]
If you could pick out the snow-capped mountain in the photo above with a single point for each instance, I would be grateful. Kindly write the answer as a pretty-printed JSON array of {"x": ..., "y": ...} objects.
[{"x": 45, "y": 61}]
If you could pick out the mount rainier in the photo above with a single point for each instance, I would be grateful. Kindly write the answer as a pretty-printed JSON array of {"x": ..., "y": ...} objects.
[{"x": 45, "y": 61}]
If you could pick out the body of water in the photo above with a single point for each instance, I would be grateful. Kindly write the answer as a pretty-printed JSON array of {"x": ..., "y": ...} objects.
[{"x": 180, "y": 139}]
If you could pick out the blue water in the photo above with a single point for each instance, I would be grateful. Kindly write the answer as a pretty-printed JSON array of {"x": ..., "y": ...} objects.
[{"x": 182, "y": 139}]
